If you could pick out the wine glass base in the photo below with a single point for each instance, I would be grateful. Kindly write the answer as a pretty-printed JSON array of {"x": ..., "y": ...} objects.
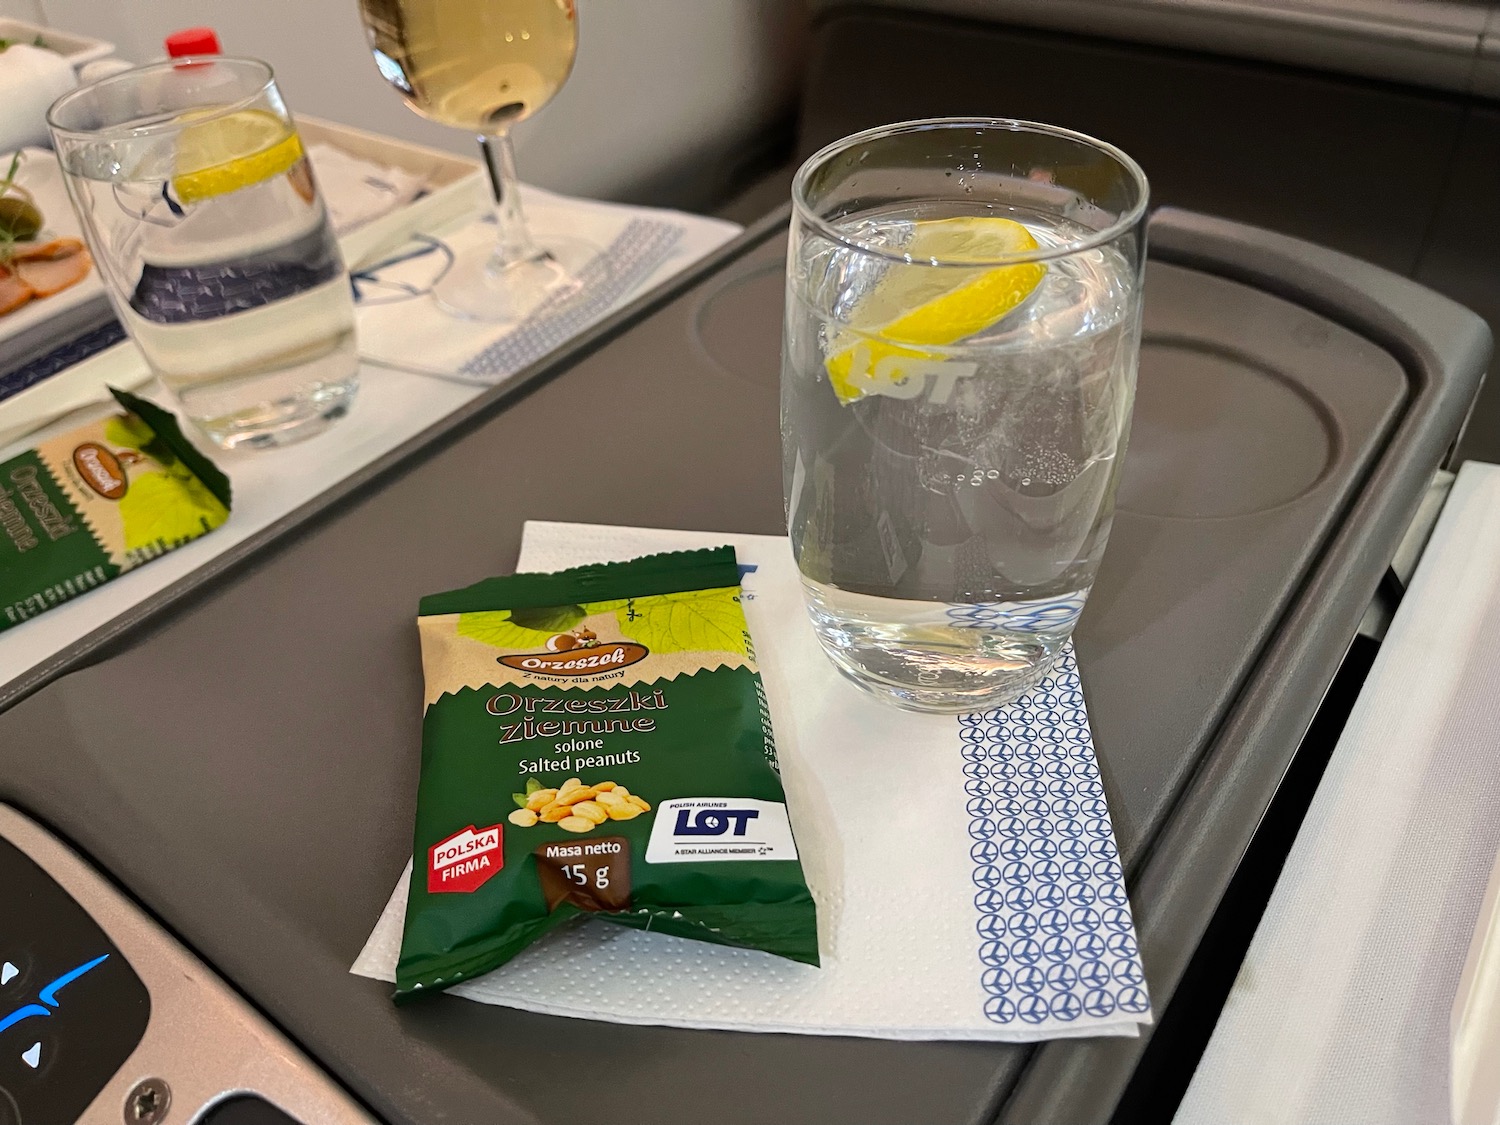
[{"x": 474, "y": 288}]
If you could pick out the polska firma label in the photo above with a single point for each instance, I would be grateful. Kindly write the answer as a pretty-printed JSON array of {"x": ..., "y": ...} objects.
[{"x": 465, "y": 861}]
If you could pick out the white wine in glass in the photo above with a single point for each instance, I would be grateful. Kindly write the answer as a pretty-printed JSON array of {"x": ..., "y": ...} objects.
[{"x": 483, "y": 65}]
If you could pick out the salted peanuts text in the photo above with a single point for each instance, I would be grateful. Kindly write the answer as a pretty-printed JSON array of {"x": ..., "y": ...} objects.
[{"x": 577, "y": 807}]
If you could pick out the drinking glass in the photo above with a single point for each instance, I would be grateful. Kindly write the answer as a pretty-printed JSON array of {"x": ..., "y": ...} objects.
[
  {"x": 963, "y": 310},
  {"x": 483, "y": 65},
  {"x": 201, "y": 211}
]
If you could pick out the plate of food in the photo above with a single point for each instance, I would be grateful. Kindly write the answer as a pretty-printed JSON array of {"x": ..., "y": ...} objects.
[
  {"x": 79, "y": 50},
  {"x": 45, "y": 269}
]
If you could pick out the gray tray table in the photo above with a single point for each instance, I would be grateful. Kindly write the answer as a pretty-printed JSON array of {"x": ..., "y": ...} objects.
[{"x": 241, "y": 753}]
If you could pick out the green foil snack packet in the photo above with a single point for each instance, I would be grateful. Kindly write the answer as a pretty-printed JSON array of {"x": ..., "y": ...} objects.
[
  {"x": 86, "y": 506},
  {"x": 597, "y": 741}
]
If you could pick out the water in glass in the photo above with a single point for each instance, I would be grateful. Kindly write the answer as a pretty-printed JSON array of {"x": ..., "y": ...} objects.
[
  {"x": 948, "y": 507},
  {"x": 215, "y": 245}
]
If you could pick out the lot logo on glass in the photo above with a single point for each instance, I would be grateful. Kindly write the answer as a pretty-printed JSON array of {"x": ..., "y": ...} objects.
[
  {"x": 578, "y": 653},
  {"x": 465, "y": 861}
]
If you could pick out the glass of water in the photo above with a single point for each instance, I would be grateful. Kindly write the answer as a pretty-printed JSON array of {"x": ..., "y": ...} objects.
[
  {"x": 199, "y": 205},
  {"x": 962, "y": 325}
]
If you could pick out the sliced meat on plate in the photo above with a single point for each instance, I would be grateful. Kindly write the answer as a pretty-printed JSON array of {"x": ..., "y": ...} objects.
[
  {"x": 52, "y": 267},
  {"x": 45, "y": 251},
  {"x": 13, "y": 291}
]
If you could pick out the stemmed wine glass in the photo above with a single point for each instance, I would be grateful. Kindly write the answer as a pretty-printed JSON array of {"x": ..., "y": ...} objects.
[{"x": 484, "y": 65}]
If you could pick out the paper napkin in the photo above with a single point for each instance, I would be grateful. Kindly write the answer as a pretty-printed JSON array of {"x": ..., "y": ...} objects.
[
  {"x": 356, "y": 190},
  {"x": 965, "y": 870},
  {"x": 401, "y": 326}
]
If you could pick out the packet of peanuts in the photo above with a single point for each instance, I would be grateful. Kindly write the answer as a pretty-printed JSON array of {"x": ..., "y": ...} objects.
[
  {"x": 597, "y": 742},
  {"x": 83, "y": 507}
]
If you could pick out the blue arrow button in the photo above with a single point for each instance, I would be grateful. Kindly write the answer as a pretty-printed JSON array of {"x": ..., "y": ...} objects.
[
  {"x": 20, "y": 1014},
  {"x": 48, "y": 995}
]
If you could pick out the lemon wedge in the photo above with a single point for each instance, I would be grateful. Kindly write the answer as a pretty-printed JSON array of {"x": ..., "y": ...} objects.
[
  {"x": 934, "y": 306},
  {"x": 232, "y": 152}
]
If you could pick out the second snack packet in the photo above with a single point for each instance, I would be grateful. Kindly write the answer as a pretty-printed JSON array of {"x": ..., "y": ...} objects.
[
  {"x": 597, "y": 741},
  {"x": 85, "y": 506}
]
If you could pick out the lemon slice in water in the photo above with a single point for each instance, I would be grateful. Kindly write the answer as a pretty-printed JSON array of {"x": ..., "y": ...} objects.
[
  {"x": 935, "y": 306},
  {"x": 231, "y": 152}
]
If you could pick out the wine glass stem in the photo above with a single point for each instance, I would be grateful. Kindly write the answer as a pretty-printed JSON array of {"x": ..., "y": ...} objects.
[{"x": 514, "y": 242}]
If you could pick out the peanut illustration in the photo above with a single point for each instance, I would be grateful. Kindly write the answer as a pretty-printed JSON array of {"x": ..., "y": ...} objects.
[
  {"x": 590, "y": 811},
  {"x": 577, "y": 807}
]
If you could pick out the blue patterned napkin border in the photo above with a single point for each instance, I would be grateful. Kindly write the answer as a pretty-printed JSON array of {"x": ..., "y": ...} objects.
[
  {"x": 630, "y": 259},
  {"x": 1056, "y": 938},
  {"x": 74, "y": 351}
]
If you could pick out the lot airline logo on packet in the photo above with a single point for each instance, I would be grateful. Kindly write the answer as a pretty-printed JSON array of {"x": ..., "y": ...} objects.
[
  {"x": 714, "y": 829},
  {"x": 578, "y": 653},
  {"x": 465, "y": 861}
]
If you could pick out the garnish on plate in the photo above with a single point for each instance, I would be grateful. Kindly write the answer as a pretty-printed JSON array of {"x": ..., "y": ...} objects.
[
  {"x": 30, "y": 270},
  {"x": 37, "y": 42},
  {"x": 20, "y": 218}
]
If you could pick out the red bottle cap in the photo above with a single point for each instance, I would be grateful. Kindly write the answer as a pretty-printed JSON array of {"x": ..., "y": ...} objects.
[{"x": 193, "y": 41}]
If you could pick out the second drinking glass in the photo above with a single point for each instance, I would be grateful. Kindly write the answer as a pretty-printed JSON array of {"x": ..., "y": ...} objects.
[
  {"x": 201, "y": 210},
  {"x": 962, "y": 323},
  {"x": 484, "y": 65}
]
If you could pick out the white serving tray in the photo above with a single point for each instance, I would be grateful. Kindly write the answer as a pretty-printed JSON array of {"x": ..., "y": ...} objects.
[{"x": 456, "y": 187}]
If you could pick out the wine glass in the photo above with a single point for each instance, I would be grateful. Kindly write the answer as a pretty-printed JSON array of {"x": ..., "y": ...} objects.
[{"x": 484, "y": 65}]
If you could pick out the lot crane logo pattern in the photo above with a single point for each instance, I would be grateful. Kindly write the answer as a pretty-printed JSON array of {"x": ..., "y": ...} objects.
[
  {"x": 1040, "y": 615},
  {"x": 1056, "y": 939}
]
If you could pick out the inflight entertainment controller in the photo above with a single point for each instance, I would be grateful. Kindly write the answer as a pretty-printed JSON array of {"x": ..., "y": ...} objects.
[{"x": 105, "y": 1019}]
